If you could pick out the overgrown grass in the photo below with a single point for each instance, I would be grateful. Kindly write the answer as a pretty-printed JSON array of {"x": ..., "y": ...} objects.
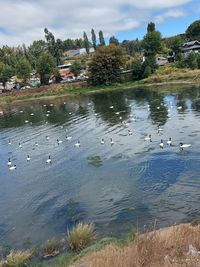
[
  {"x": 17, "y": 259},
  {"x": 81, "y": 236},
  {"x": 51, "y": 248}
]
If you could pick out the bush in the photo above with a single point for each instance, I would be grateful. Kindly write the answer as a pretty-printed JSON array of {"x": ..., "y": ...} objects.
[
  {"x": 136, "y": 70},
  {"x": 51, "y": 247},
  {"x": 81, "y": 236},
  {"x": 17, "y": 259},
  {"x": 147, "y": 72}
]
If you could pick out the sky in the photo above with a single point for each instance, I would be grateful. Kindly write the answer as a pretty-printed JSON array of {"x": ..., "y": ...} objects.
[{"x": 23, "y": 21}]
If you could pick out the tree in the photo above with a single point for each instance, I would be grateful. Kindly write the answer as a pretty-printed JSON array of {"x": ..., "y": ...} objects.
[
  {"x": 105, "y": 66},
  {"x": 23, "y": 69},
  {"x": 147, "y": 72},
  {"x": 101, "y": 39},
  {"x": 151, "y": 27},
  {"x": 191, "y": 61},
  {"x": 46, "y": 66},
  {"x": 113, "y": 40},
  {"x": 152, "y": 43},
  {"x": 76, "y": 68},
  {"x": 193, "y": 31},
  {"x": 136, "y": 70},
  {"x": 6, "y": 72},
  {"x": 86, "y": 42},
  {"x": 54, "y": 46},
  {"x": 35, "y": 50},
  {"x": 176, "y": 45},
  {"x": 94, "y": 39}
]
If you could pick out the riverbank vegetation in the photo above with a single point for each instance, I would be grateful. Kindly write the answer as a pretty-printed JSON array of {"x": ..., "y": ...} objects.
[{"x": 175, "y": 246}]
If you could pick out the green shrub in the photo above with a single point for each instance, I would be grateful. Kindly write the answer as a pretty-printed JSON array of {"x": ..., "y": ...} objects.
[
  {"x": 51, "y": 247},
  {"x": 81, "y": 236},
  {"x": 17, "y": 259}
]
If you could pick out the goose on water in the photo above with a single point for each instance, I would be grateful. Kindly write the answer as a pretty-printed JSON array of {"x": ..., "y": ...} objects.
[
  {"x": 14, "y": 167},
  {"x": 20, "y": 146},
  {"x": 111, "y": 141},
  {"x": 130, "y": 132},
  {"x": 28, "y": 158},
  {"x": 9, "y": 162},
  {"x": 59, "y": 141},
  {"x": 148, "y": 138},
  {"x": 9, "y": 142},
  {"x": 182, "y": 146},
  {"x": 48, "y": 161},
  {"x": 68, "y": 137},
  {"x": 161, "y": 144},
  {"x": 102, "y": 141},
  {"x": 78, "y": 144},
  {"x": 169, "y": 142}
]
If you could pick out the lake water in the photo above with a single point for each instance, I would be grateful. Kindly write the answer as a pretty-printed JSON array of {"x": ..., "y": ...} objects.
[{"x": 135, "y": 181}]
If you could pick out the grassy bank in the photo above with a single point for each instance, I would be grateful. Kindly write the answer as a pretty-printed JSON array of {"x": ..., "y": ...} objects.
[
  {"x": 175, "y": 246},
  {"x": 163, "y": 76}
]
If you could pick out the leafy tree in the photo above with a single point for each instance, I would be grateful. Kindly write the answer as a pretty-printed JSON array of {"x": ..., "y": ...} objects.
[
  {"x": 113, "y": 40},
  {"x": 132, "y": 47},
  {"x": 136, "y": 70},
  {"x": 86, "y": 42},
  {"x": 151, "y": 27},
  {"x": 193, "y": 31},
  {"x": 176, "y": 45},
  {"x": 94, "y": 39},
  {"x": 6, "y": 72},
  {"x": 105, "y": 66},
  {"x": 76, "y": 68},
  {"x": 191, "y": 61},
  {"x": 46, "y": 66},
  {"x": 101, "y": 39},
  {"x": 151, "y": 62},
  {"x": 23, "y": 69},
  {"x": 35, "y": 50}
]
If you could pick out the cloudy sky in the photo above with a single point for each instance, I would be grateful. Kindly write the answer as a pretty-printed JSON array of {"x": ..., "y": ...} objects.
[{"x": 22, "y": 21}]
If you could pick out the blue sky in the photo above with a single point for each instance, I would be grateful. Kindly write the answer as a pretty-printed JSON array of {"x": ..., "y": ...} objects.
[{"x": 23, "y": 21}]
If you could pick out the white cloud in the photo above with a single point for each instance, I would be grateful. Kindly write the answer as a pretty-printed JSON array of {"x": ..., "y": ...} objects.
[
  {"x": 174, "y": 13},
  {"x": 22, "y": 21}
]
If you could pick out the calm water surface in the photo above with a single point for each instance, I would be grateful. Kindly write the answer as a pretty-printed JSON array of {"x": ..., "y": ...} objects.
[{"x": 136, "y": 183}]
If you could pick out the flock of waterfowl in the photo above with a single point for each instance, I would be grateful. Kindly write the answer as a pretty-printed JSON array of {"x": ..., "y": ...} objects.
[{"x": 147, "y": 138}]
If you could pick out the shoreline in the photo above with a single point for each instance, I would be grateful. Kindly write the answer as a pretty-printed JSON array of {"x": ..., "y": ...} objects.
[{"x": 71, "y": 91}]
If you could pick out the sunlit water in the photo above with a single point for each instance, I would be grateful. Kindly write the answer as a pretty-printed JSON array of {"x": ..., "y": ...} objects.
[{"x": 137, "y": 183}]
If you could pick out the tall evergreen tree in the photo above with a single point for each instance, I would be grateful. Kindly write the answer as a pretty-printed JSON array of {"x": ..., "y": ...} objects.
[
  {"x": 86, "y": 42},
  {"x": 94, "y": 39},
  {"x": 151, "y": 27},
  {"x": 101, "y": 38}
]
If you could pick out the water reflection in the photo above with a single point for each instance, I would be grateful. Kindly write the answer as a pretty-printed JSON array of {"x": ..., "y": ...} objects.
[{"x": 137, "y": 181}]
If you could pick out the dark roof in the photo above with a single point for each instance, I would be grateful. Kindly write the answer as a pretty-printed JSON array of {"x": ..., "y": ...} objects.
[{"x": 191, "y": 43}]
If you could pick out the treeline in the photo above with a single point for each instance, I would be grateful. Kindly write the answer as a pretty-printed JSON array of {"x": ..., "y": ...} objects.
[{"x": 44, "y": 55}]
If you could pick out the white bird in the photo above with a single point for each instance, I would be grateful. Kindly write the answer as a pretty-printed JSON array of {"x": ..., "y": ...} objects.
[
  {"x": 78, "y": 144},
  {"x": 26, "y": 121},
  {"x": 111, "y": 106},
  {"x": 36, "y": 144},
  {"x": 182, "y": 146},
  {"x": 68, "y": 137},
  {"x": 111, "y": 141},
  {"x": 59, "y": 141},
  {"x": 9, "y": 162},
  {"x": 28, "y": 158},
  {"x": 14, "y": 167},
  {"x": 9, "y": 142},
  {"x": 161, "y": 144},
  {"x": 130, "y": 132},
  {"x": 169, "y": 142},
  {"x": 159, "y": 129},
  {"x": 32, "y": 114},
  {"x": 20, "y": 146},
  {"x": 51, "y": 105},
  {"x": 47, "y": 137},
  {"x": 148, "y": 138},
  {"x": 48, "y": 161},
  {"x": 180, "y": 107},
  {"x": 102, "y": 141}
]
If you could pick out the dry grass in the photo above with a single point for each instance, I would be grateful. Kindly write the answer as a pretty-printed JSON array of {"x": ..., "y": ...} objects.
[
  {"x": 163, "y": 248},
  {"x": 81, "y": 236},
  {"x": 16, "y": 259}
]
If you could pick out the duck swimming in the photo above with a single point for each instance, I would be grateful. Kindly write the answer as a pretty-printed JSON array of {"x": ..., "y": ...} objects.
[
  {"x": 169, "y": 142},
  {"x": 14, "y": 167},
  {"x": 28, "y": 158},
  {"x": 48, "y": 161},
  {"x": 161, "y": 143},
  {"x": 148, "y": 138},
  {"x": 78, "y": 144},
  {"x": 182, "y": 146},
  {"x": 9, "y": 162},
  {"x": 102, "y": 141}
]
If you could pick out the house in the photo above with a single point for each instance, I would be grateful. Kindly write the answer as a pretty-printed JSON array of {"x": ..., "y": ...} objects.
[
  {"x": 161, "y": 61},
  {"x": 77, "y": 52},
  {"x": 193, "y": 46},
  {"x": 64, "y": 71}
]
